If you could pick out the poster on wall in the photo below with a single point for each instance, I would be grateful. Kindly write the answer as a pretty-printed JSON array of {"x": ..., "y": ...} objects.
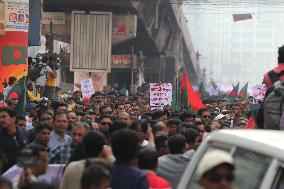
[
  {"x": 124, "y": 27},
  {"x": 160, "y": 94},
  {"x": 17, "y": 15},
  {"x": 99, "y": 80},
  {"x": 2, "y": 18}
]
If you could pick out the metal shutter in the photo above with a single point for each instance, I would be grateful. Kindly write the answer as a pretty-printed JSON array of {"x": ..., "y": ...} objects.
[{"x": 91, "y": 41}]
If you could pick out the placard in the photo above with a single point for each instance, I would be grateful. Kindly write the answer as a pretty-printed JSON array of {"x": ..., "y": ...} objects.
[
  {"x": 160, "y": 94},
  {"x": 87, "y": 87},
  {"x": 258, "y": 92},
  {"x": 17, "y": 15}
]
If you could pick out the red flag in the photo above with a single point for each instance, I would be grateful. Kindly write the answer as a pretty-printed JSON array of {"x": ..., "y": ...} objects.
[
  {"x": 193, "y": 99},
  {"x": 251, "y": 123}
]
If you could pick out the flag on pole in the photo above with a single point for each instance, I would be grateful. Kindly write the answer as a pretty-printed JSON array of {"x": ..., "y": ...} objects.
[
  {"x": 234, "y": 93},
  {"x": 189, "y": 98},
  {"x": 244, "y": 92},
  {"x": 202, "y": 91}
]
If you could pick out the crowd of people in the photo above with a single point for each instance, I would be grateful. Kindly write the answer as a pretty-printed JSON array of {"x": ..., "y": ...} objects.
[{"x": 109, "y": 140}]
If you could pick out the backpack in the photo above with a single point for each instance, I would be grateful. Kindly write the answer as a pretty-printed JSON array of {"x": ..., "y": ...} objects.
[
  {"x": 273, "y": 107},
  {"x": 34, "y": 71}
]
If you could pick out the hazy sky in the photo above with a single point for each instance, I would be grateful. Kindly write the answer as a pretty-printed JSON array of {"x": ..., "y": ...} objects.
[{"x": 236, "y": 51}]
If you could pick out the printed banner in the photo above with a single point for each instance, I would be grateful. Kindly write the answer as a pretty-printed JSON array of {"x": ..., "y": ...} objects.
[
  {"x": 87, "y": 87},
  {"x": 17, "y": 15},
  {"x": 258, "y": 92},
  {"x": 160, "y": 94},
  {"x": 2, "y": 18}
]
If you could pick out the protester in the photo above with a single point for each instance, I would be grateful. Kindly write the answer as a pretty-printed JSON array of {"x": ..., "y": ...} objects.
[
  {"x": 33, "y": 160},
  {"x": 96, "y": 176},
  {"x": 59, "y": 141},
  {"x": 125, "y": 146},
  {"x": 12, "y": 81},
  {"x": 12, "y": 139},
  {"x": 172, "y": 166},
  {"x": 277, "y": 73},
  {"x": 148, "y": 160},
  {"x": 92, "y": 146}
]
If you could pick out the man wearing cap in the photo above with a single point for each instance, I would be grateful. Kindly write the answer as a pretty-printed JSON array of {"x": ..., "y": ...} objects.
[{"x": 216, "y": 170}]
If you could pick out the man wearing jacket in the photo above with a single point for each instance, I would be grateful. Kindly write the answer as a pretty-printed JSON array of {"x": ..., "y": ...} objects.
[{"x": 12, "y": 139}]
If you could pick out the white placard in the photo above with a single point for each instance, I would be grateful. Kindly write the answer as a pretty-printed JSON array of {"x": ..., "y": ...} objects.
[
  {"x": 258, "y": 92},
  {"x": 161, "y": 94},
  {"x": 17, "y": 15},
  {"x": 54, "y": 17},
  {"x": 87, "y": 87}
]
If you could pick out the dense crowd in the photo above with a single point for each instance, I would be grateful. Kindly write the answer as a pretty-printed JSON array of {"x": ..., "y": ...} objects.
[{"x": 108, "y": 140}]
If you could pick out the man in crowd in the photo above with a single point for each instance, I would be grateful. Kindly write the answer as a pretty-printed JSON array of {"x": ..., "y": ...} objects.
[
  {"x": 79, "y": 129},
  {"x": 124, "y": 117},
  {"x": 125, "y": 146},
  {"x": 59, "y": 141},
  {"x": 12, "y": 81},
  {"x": 148, "y": 161},
  {"x": 105, "y": 122},
  {"x": 172, "y": 166},
  {"x": 32, "y": 169},
  {"x": 12, "y": 140},
  {"x": 277, "y": 73}
]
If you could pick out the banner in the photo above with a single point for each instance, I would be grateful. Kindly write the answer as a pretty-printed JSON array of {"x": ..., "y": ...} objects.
[
  {"x": 34, "y": 27},
  {"x": 2, "y": 18},
  {"x": 17, "y": 15},
  {"x": 160, "y": 94},
  {"x": 87, "y": 87},
  {"x": 13, "y": 45}
]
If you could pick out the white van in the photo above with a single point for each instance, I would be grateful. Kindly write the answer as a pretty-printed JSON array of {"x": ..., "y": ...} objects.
[{"x": 258, "y": 157}]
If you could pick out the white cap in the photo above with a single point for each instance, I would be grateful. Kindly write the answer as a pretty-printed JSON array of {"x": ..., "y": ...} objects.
[
  {"x": 211, "y": 160},
  {"x": 220, "y": 116}
]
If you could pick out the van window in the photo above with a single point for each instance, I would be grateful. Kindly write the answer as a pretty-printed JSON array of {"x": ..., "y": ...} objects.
[
  {"x": 250, "y": 169},
  {"x": 279, "y": 179}
]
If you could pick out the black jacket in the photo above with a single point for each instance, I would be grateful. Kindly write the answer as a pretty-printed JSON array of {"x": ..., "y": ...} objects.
[{"x": 11, "y": 145}]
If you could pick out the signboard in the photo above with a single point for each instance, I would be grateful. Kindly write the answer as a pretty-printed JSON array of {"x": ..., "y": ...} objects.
[
  {"x": 124, "y": 27},
  {"x": 258, "y": 92},
  {"x": 17, "y": 15},
  {"x": 121, "y": 59},
  {"x": 87, "y": 87},
  {"x": 54, "y": 17},
  {"x": 160, "y": 94},
  {"x": 2, "y": 18}
]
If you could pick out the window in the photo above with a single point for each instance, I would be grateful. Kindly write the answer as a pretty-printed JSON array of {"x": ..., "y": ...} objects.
[
  {"x": 250, "y": 168},
  {"x": 279, "y": 179}
]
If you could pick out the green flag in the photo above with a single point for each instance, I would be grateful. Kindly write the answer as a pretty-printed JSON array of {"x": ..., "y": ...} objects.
[
  {"x": 202, "y": 91},
  {"x": 234, "y": 93},
  {"x": 19, "y": 92},
  {"x": 14, "y": 55}
]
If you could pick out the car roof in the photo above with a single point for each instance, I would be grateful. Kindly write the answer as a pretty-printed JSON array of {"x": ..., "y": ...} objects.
[{"x": 269, "y": 142}]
